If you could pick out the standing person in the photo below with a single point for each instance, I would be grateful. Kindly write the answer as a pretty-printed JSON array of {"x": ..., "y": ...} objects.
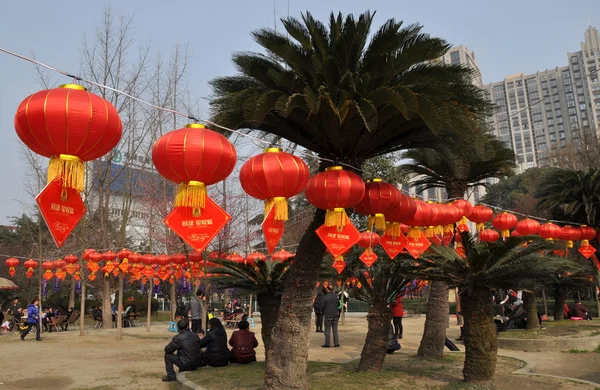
[
  {"x": 187, "y": 346},
  {"x": 242, "y": 343},
  {"x": 33, "y": 319},
  {"x": 332, "y": 316},
  {"x": 318, "y": 308},
  {"x": 397, "y": 314},
  {"x": 217, "y": 354},
  {"x": 196, "y": 309}
]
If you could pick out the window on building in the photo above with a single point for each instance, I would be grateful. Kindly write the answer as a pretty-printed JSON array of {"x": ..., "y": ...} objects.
[
  {"x": 561, "y": 135},
  {"x": 553, "y": 83},
  {"x": 455, "y": 58},
  {"x": 582, "y": 107},
  {"x": 431, "y": 195},
  {"x": 580, "y": 91},
  {"x": 568, "y": 88},
  {"x": 570, "y": 103},
  {"x": 554, "y": 90},
  {"x": 574, "y": 60},
  {"x": 572, "y": 110},
  {"x": 550, "y": 121},
  {"x": 552, "y": 137}
]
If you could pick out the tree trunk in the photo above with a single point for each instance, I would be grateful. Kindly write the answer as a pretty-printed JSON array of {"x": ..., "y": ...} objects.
[
  {"x": 120, "y": 308},
  {"x": 107, "y": 321},
  {"x": 480, "y": 336},
  {"x": 173, "y": 299},
  {"x": 434, "y": 335},
  {"x": 269, "y": 310},
  {"x": 373, "y": 353},
  {"x": 286, "y": 361},
  {"x": 72, "y": 294},
  {"x": 560, "y": 297},
  {"x": 531, "y": 309}
]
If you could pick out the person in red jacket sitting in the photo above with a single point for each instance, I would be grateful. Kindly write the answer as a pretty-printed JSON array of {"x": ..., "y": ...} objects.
[
  {"x": 580, "y": 312},
  {"x": 397, "y": 313},
  {"x": 242, "y": 344}
]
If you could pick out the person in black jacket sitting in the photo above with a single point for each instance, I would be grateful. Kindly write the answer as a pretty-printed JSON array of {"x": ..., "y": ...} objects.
[
  {"x": 187, "y": 346},
  {"x": 217, "y": 354}
]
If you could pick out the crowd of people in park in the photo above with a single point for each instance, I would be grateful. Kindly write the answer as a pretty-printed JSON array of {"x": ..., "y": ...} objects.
[{"x": 193, "y": 347}]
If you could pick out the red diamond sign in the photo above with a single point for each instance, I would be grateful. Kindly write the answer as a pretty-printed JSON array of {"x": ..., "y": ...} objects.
[
  {"x": 447, "y": 238},
  {"x": 587, "y": 251},
  {"x": 417, "y": 246},
  {"x": 392, "y": 245},
  {"x": 272, "y": 229},
  {"x": 62, "y": 209},
  {"x": 368, "y": 257},
  {"x": 198, "y": 232},
  {"x": 339, "y": 241}
]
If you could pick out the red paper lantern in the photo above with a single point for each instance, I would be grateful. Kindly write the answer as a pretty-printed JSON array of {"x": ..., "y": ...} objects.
[
  {"x": 480, "y": 215},
  {"x": 109, "y": 256},
  {"x": 193, "y": 157},
  {"x": 148, "y": 259},
  {"x": 335, "y": 190},
  {"x": 587, "y": 233},
  {"x": 124, "y": 254},
  {"x": 466, "y": 208},
  {"x": 253, "y": 257},
  {"x": 135, "y": 258},
  {"x": 163, "y": 260},
  {"x": 379, "y": 198},
  {"x": 489, "y": 235},
  {"x": 178, "y": 259},
  {"x": 368, "y": 239},
  {"x": 527, "y": 227},
  {"x": 550, "y": 231},
  {"x": 282, "y": 255},
  {"x": 30, "y": 265},
  {"x": 401, "y": 211},
  {"x": 69, "y": 126},
  {"x": 86, "y": 254},
  {"x": 235, "y": 258},
  {"x": 59, "y": 264},
  {"x": 515, "y": 233},
  {"x": 570, "y": 234},
  {"x": 274, "y": 176},
  {"x": 504, "y": 222},
  {"x": 420, "y": 218},
  {"x": 71, "y": 259},
  {"x": 95, "y": 257},
  {"x": 47, "y": 265},
  {"x": 11, "y": 263},
  {"x": 195, "y": 256}
]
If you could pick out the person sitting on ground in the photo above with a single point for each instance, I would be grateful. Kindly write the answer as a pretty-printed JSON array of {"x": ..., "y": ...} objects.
[
  {"x": 217, "y": 354},
  {"x": 580, "y": 312},
  {"x": 242, "y": 344},
  {"x": 200, "y": 333},
  {"x": 187, "y": 346}
]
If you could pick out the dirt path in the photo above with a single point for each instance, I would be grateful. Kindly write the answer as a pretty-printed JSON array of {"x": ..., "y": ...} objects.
[{"x": 97, "y": 361}]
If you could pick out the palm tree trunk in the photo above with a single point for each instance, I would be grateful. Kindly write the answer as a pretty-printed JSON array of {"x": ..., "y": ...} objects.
[
  {"x": 480, "y": 336},
  {"x": 269, "y": 310},
  {"x": 373, "y": 353},
  {"x": 288, "y": 353},
  {"x": 434, "y": 335},
  {"x": 560, "y": 297},
  {"x": 531, "y": 309}
]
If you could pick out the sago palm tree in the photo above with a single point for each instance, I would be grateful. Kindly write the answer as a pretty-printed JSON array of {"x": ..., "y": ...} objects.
[
  {"x": 345, "y": 94},
  {"x": 464, "y": 161},
  {"x": 483, "y": 269},
  {"x": 380, "y": 284}
]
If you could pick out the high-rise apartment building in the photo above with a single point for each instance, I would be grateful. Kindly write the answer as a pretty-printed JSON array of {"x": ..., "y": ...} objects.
[
  {"x": 461, "y": 55},
  {"x": 540, "y": 112}
]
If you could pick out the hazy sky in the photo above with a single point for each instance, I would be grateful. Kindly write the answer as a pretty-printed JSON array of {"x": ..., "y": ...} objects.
[{"x": 507, "y": 36}]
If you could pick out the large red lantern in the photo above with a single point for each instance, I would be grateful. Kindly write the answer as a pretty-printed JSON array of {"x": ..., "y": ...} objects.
[
  {"x": 335, "y": 190},
  {"x": 400, "y": 212},
  {"x": 163, "y": 260},
  {"x": 379, "y": 198},
  {"x": 71, "y": 259},
  {"x": 274, "y": 176},
  {"x": 178, "y": 259},
  {"x": 253, "y": 257},
  {"x": 135, "y": 258},
  {"x": 527, "y": 227},
  {"x": 420, "y": 218},
  {"x": 489, "y": 235},
  {"x": 30, "y": 265},
  {"x": 570, "y": 234},
  {"x": 504, "y": 222},
  {"x": 550, "y": 231},
  {"x": 587, "y": 233},
  {"x": 148, "y": 259},
  {"x": 236, "y": 258},
  {"x": 11, "y": 263},
  {"x": 193, "y": 157},
  {"x": 69, "y": 126},
  {"x": 466, "y": 208},
  {"x": 195, "y": 256},
  {"x": 368, "y": 239},
  {"x": 282, "y": 255},
  {"x": 480, "y": 215}
]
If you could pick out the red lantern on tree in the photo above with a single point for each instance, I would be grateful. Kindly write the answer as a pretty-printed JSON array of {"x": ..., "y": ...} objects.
[
  {"x": 466, "y": 208},
  {"x": 274, "y": 176},
  {"x": 30, "y": 265},
  {"x": 379, "y": 198},
  {"x": 135, "y": 258},
  {"x": 178, "y": 259},
  {"x": 489, "y": 235},
  {"x": 368, "y": 240},
  {"x": 193, "y": 157},
  {"x": 195, "y": 256},
  {"x": 11, "y": 263},
  {"x": 401, "y": 211},
  {"x": 420, "y": 218},
  {"x": 527, "y": 227},
  {"x": 587, "y": 233},
  {"x": 480, "y": 215},
  {"x": 282, "y": 255},
  {"x": 550, "y": 231},
  {"x": 235, "y": 258},
  {"x": 570, "y": 234},
  {"x": 504, "y": 222},
  {"x": 335, "y": 190},
  {"x": 253, "y": 257},
  {"x": 148, "y": 259}
]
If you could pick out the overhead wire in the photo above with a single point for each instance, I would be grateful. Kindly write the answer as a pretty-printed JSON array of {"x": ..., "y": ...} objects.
[{"x": 233, "y": 131}]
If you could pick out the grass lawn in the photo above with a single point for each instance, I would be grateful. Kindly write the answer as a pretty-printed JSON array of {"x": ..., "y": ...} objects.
[
  {"x": 401, "y": 371},
  {"x": 564, "y": 328}
]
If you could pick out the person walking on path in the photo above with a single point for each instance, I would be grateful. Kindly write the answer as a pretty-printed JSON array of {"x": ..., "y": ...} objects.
[
  {"x": 318, "y": 308},
  {"x": 397, "y": 314},
  {"x": 33, "y": 319},
  {"x": 196, "y": 309},
  {"x": 331, "y": 313},
  {"x": 187, "y": 346}
]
